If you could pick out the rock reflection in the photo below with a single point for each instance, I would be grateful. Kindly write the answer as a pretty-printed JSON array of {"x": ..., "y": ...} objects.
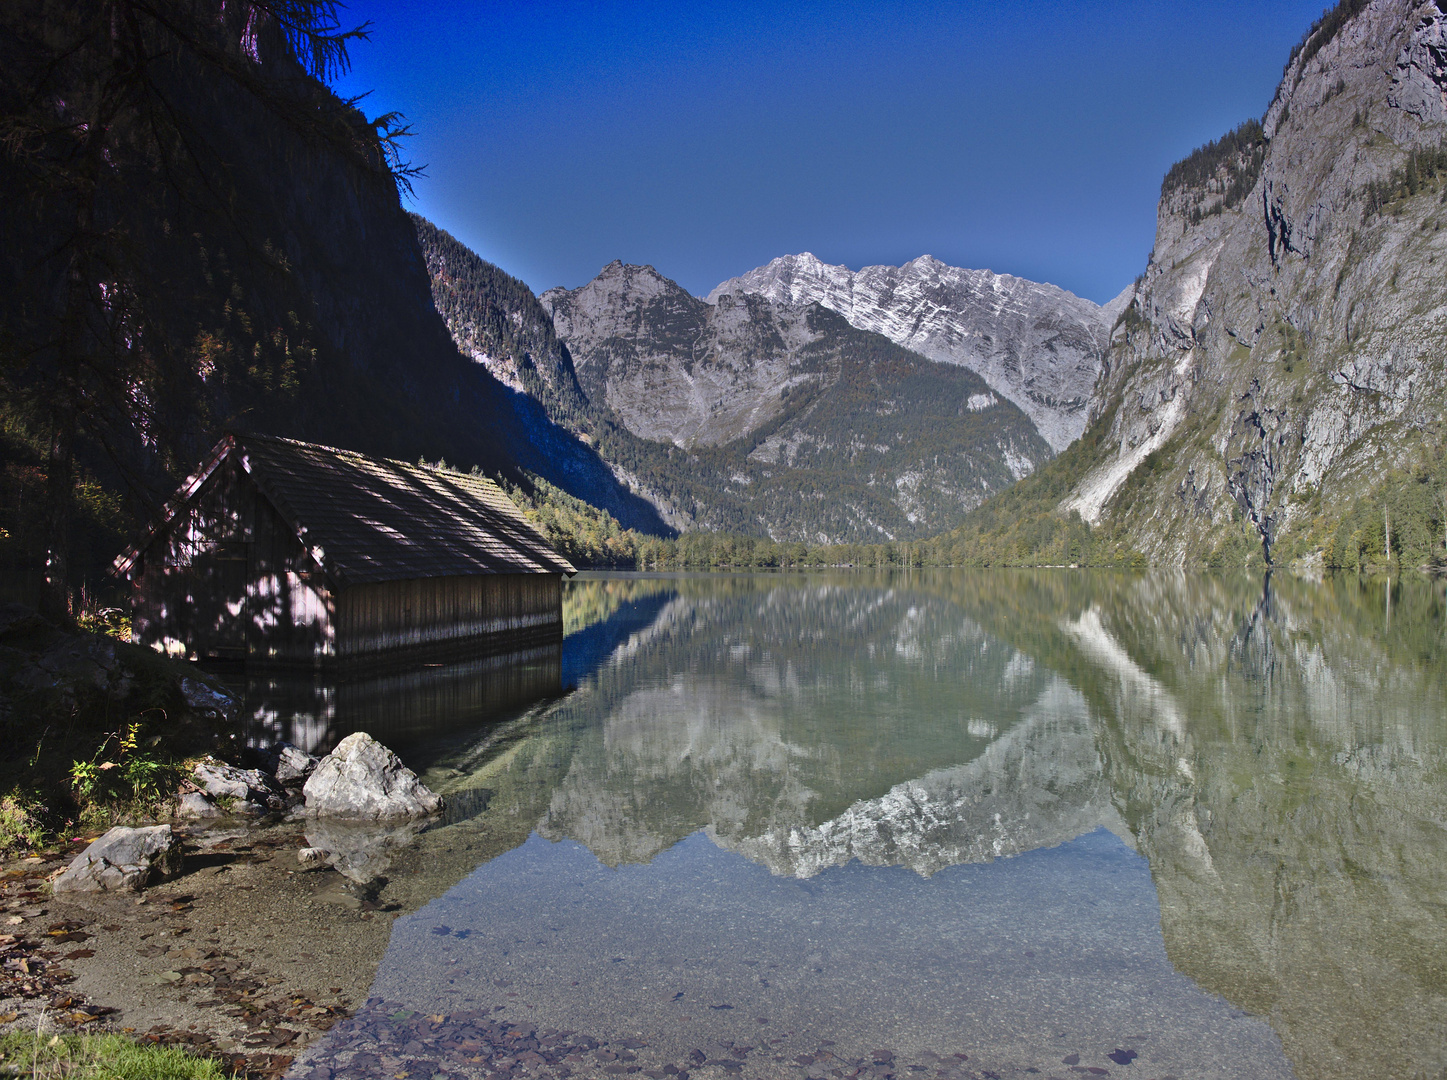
[
  {"x": 806, "y": 723},
  {"x": 1296, "y": 826},
  {"x": 361, "y": 852}
]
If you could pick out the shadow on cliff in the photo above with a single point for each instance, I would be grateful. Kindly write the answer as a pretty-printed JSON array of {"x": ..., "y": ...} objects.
[{"x": 540, "y": 446}]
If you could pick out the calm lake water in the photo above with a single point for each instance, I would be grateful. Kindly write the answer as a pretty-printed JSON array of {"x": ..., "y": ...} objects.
[{"x": 929, "y": 824}]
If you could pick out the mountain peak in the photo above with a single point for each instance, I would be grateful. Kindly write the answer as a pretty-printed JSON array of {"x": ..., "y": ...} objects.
[{"x": 1037, "y": 345}]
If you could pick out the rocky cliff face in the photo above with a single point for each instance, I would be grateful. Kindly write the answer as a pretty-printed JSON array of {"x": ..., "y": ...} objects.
[
  {"x": 814, "y": 429},
  {"x": 1279, "y": 361},
  {"x": 1035, "y": 345},
  {"x": 674, "y": 370}
]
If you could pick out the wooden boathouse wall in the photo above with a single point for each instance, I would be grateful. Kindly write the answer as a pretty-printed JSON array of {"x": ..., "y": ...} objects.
[
  {"x": 520, "y": 610},
  {"x": 231, "y": 581}
]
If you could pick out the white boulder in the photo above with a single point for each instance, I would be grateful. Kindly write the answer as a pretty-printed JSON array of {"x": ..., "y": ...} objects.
[{"x": 361, "y": 779}]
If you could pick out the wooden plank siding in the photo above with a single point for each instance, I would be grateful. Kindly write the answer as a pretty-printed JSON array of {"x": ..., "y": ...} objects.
[{"x": 515, "y": 610}]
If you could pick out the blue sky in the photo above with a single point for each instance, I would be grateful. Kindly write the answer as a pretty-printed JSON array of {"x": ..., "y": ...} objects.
[{"x": 706, "y": 139}]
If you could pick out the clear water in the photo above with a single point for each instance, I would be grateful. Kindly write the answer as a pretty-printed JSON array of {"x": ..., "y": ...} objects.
[{"x": 938, "y": 824}]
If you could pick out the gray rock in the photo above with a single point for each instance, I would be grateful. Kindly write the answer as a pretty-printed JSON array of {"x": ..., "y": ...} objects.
[
  {"x": 363, "y": 780},
  {"x": 208, "y": 700},
  {"x": 246, "y": 790},
  {"x": 72, "y": 664},
  {"x": 293, "y": 764},
  {"x": 195, "y": 805},
  {"x": 124, "y": 858},
  {"x": 312, "y": 857}
]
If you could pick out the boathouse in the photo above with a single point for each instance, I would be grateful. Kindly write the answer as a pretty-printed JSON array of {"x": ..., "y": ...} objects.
[{"x": 283, "y": 552}]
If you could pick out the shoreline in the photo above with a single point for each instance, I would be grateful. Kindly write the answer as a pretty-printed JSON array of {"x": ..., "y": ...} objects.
[{"x": 246, "y": 956}]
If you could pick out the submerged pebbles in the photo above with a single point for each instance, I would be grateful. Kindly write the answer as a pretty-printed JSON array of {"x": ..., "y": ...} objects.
[{"x": 389, "y": 1040}]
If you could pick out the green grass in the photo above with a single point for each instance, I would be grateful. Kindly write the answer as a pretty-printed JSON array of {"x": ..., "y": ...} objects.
[{"x": 102, "y": 1057}]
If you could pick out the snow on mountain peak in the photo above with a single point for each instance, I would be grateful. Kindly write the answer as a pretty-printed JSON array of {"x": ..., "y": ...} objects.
[{"x": 1035, "y": 344}]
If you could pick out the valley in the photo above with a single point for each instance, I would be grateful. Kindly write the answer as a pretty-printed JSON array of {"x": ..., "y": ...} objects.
[{"x": 1267, "y": 392}]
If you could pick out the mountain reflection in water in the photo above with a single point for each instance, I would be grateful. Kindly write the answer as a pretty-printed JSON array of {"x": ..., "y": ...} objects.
[{"x": 1274, "y": 751}]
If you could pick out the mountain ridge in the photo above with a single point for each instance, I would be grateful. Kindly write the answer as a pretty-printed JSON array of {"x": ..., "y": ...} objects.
[
  {"x": 1035, "y": 344},
  {"x": 744, "y": 417},
  {"x": 785, "y": 388}
]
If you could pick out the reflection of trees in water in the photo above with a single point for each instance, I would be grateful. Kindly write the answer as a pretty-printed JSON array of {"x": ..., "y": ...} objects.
[{"x": 594, "y": 600}]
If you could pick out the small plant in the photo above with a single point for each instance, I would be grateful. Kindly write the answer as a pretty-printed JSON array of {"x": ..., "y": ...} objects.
[
  {"x": 20, "y": 824},
  {"x": 110, "y": 621},
  {"x": 40, "y": 1055},
  {"x": 127, "y": 771}
]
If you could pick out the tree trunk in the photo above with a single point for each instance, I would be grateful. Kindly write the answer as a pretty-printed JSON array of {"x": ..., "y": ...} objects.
[{"x": 59, "y": 500}]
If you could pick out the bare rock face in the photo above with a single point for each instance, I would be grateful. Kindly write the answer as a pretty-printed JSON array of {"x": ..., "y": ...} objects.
[
  {"x": 784, "y": 416},
  {"x": 124, "y": 858},
  {"x": 362, "y": 780},
  {"x": 1036, "y": 345},
  {"x": 672, "y": 368},
  {"x": 1281, "y": 356}
]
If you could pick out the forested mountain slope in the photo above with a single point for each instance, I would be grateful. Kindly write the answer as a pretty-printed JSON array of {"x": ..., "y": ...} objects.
[{"x": 1276, "y": 389}]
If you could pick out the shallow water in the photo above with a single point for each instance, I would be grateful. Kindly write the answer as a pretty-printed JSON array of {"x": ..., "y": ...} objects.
[{"x": 941, "y": 824}]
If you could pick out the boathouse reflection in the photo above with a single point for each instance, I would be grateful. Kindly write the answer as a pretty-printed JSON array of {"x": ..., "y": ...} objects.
[{"x": 403, "y": 708}]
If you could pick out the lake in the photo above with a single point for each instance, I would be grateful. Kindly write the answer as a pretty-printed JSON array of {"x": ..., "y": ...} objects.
[{"x": 928, "y": 824}]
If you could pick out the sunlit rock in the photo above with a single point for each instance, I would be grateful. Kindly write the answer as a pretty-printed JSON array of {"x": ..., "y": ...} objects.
[
  {"x": 361, "y": 779},
  {"x": 124, "y": 858}
]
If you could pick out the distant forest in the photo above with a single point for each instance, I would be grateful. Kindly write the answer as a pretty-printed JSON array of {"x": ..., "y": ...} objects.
[
  {"x": 1228, "y": 166},
  {"x": 1404, "y": 524}
]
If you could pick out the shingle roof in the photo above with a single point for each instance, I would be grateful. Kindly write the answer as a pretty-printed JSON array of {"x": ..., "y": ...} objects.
[{"x": 372, "y": 519}]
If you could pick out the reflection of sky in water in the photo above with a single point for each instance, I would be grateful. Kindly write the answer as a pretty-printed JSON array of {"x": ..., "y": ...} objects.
[{"x": 1022, "y": 961}]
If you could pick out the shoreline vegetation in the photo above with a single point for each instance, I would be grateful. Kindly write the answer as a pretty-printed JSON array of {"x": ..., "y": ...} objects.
[
  {"x": 42, "y": 1054},
  {"x": 1403, "y": 526}
]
